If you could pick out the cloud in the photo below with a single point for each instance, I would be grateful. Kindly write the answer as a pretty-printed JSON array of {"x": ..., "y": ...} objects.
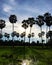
[{"x": 7, "y": 8}]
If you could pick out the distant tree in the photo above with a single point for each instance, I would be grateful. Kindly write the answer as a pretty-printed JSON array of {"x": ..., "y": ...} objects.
[
  {"x": 40, "y": 22},
  {"x": 49, "y": 34},
  {"x": 25, "y": 26},
  {"x": 48, "y": 21},
  {"x": 22, "y": 36},
  {"x": 1, "y": 36},
  {"x": 13, "y": 34},
  {"x": 13, "y": 20},
  {"x": 41, "y": 35},
  {"x": 2, "y": 24},
  {"x": 7, "y": 36},
  {"x": 29, "y": 36},
  {"x": 32, "y": 35},
  {"x": 30, "y": 22},
  {"x": 17, "y": 35}
]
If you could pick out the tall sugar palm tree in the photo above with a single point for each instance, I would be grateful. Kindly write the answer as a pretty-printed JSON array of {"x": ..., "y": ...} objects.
[
  {"x": 32, "y": 35},
  {"x": 30, "y": 22},
  {"x": 48, "y": 21},
  {"x": 13, "y": 34},
  {"x": 17, "y": 35},
  {"x": 13, "y": 20},
  {"x": 2, "y": 24},
  {"x": 25, "y": 26},
  {"x": 29, "y": 36},
  {"x": 39, "y": 34},
  {"x": 22, "y": 36},
  {"x": 49, "y": 34},
  {"x": 40, "y": 22},
  {"x": 1, "y": 36}
]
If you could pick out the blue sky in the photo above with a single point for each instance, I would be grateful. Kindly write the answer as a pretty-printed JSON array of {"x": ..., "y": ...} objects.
[{"x": 23, "y": 9}]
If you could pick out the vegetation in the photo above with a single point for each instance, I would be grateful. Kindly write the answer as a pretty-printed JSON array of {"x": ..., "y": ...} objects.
[
  {"x": 39, "y": 55},
  {"x": 14, "y": 52}
]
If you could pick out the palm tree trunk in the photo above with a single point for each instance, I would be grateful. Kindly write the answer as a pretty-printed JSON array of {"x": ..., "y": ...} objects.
[
  {"x": 25, "y": 35},
  {"x": 46, "y": 33},
  {"x": 30, "y": 33},
  {"x": 24, "y": 43},
  {"x": 1, "y": 31},
  {"x": 49, "y": 30},
  {"x": 41, "y": 35},
  {"x": 13, "y": 31}
]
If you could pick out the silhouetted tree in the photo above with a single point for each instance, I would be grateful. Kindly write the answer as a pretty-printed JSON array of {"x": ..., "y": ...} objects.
[
  {"x": 2, "y": 24},
  {"x": 25, "y": 26},
  {"x": 13, "y": 20},
  {"x": 13, "y": 34},
  {"x": 29, "y": 36},
  {"x": 41, "y": 35},
  {"x": 22, "y": 36},
  {"x": 1, "y": 36},
  {"x": 49, "y": 34},
  {"x": 40, "y": 22},
  {"x": 48, "y": 21},
  {"x": 30, "y": 22},
  {"x": 17, "y": 35},
  {"x": 6, "y": 36},
  {"x": 32, "y": 35}
]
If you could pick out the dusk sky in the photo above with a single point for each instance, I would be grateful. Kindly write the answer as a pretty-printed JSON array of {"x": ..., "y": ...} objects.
[{"x": 23, "y": 9}]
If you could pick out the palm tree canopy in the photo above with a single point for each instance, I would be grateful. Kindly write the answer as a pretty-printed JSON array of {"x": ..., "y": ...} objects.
[
  {"x": 29, "y": 35},
  {"x": 40, "y": 35},
  {"x": 48, "y": 19},
  {"x": 13, "y": 34},
  {"x": 49, "y": 34},
  {"x": 17, "y": 34},
  {"x": 6, "y": 35},
  {"x": 22, "y": 35},
  {"x": 31, "y": 21},
  {"x": 1, "y": 35},
  {"x": 32, "y": 34},
  {"x": 24, "y": 24},
  {"x": 13, "y": 18},
  {"x": 2, "y": 24},
  {"x": 40, "y": 20}
]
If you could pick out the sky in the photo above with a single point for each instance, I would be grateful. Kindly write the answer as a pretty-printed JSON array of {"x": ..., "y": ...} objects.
[{"x": 23, "y": 9}]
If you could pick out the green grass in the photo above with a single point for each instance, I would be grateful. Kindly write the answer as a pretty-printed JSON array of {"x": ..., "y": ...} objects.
[{"x": 43, "y": 55}]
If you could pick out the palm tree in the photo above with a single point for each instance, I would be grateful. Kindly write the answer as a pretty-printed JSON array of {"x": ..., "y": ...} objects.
[
  {"x": 2, "y": 24},
  {"x": 17, "y": 35},
  {"x": 13, "y": 20},
  {"x": 29, "y": 36},
  {"x": 13, "y": 34},
  {"x": 48, "y": 21},
  {"x": 32, "y": 36},
  {"x": 6, "y": 36},
  {"x": 22, "y": 35},
  {"x": 30, "y": 22},
  {"x": 40, "y": 22},
  {"x": 41, "y": 35},
  {"x": 49, "y": 34},
  {"x": 25, "y": 26},
  {"x": 1, "y": 36}
]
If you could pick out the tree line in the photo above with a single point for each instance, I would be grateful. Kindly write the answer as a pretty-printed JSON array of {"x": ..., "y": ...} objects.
[{"x": 40, "y": 20}]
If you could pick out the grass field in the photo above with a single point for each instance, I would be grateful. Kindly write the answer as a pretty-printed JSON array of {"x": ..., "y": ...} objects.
[{"x": 16, "y": 55}]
